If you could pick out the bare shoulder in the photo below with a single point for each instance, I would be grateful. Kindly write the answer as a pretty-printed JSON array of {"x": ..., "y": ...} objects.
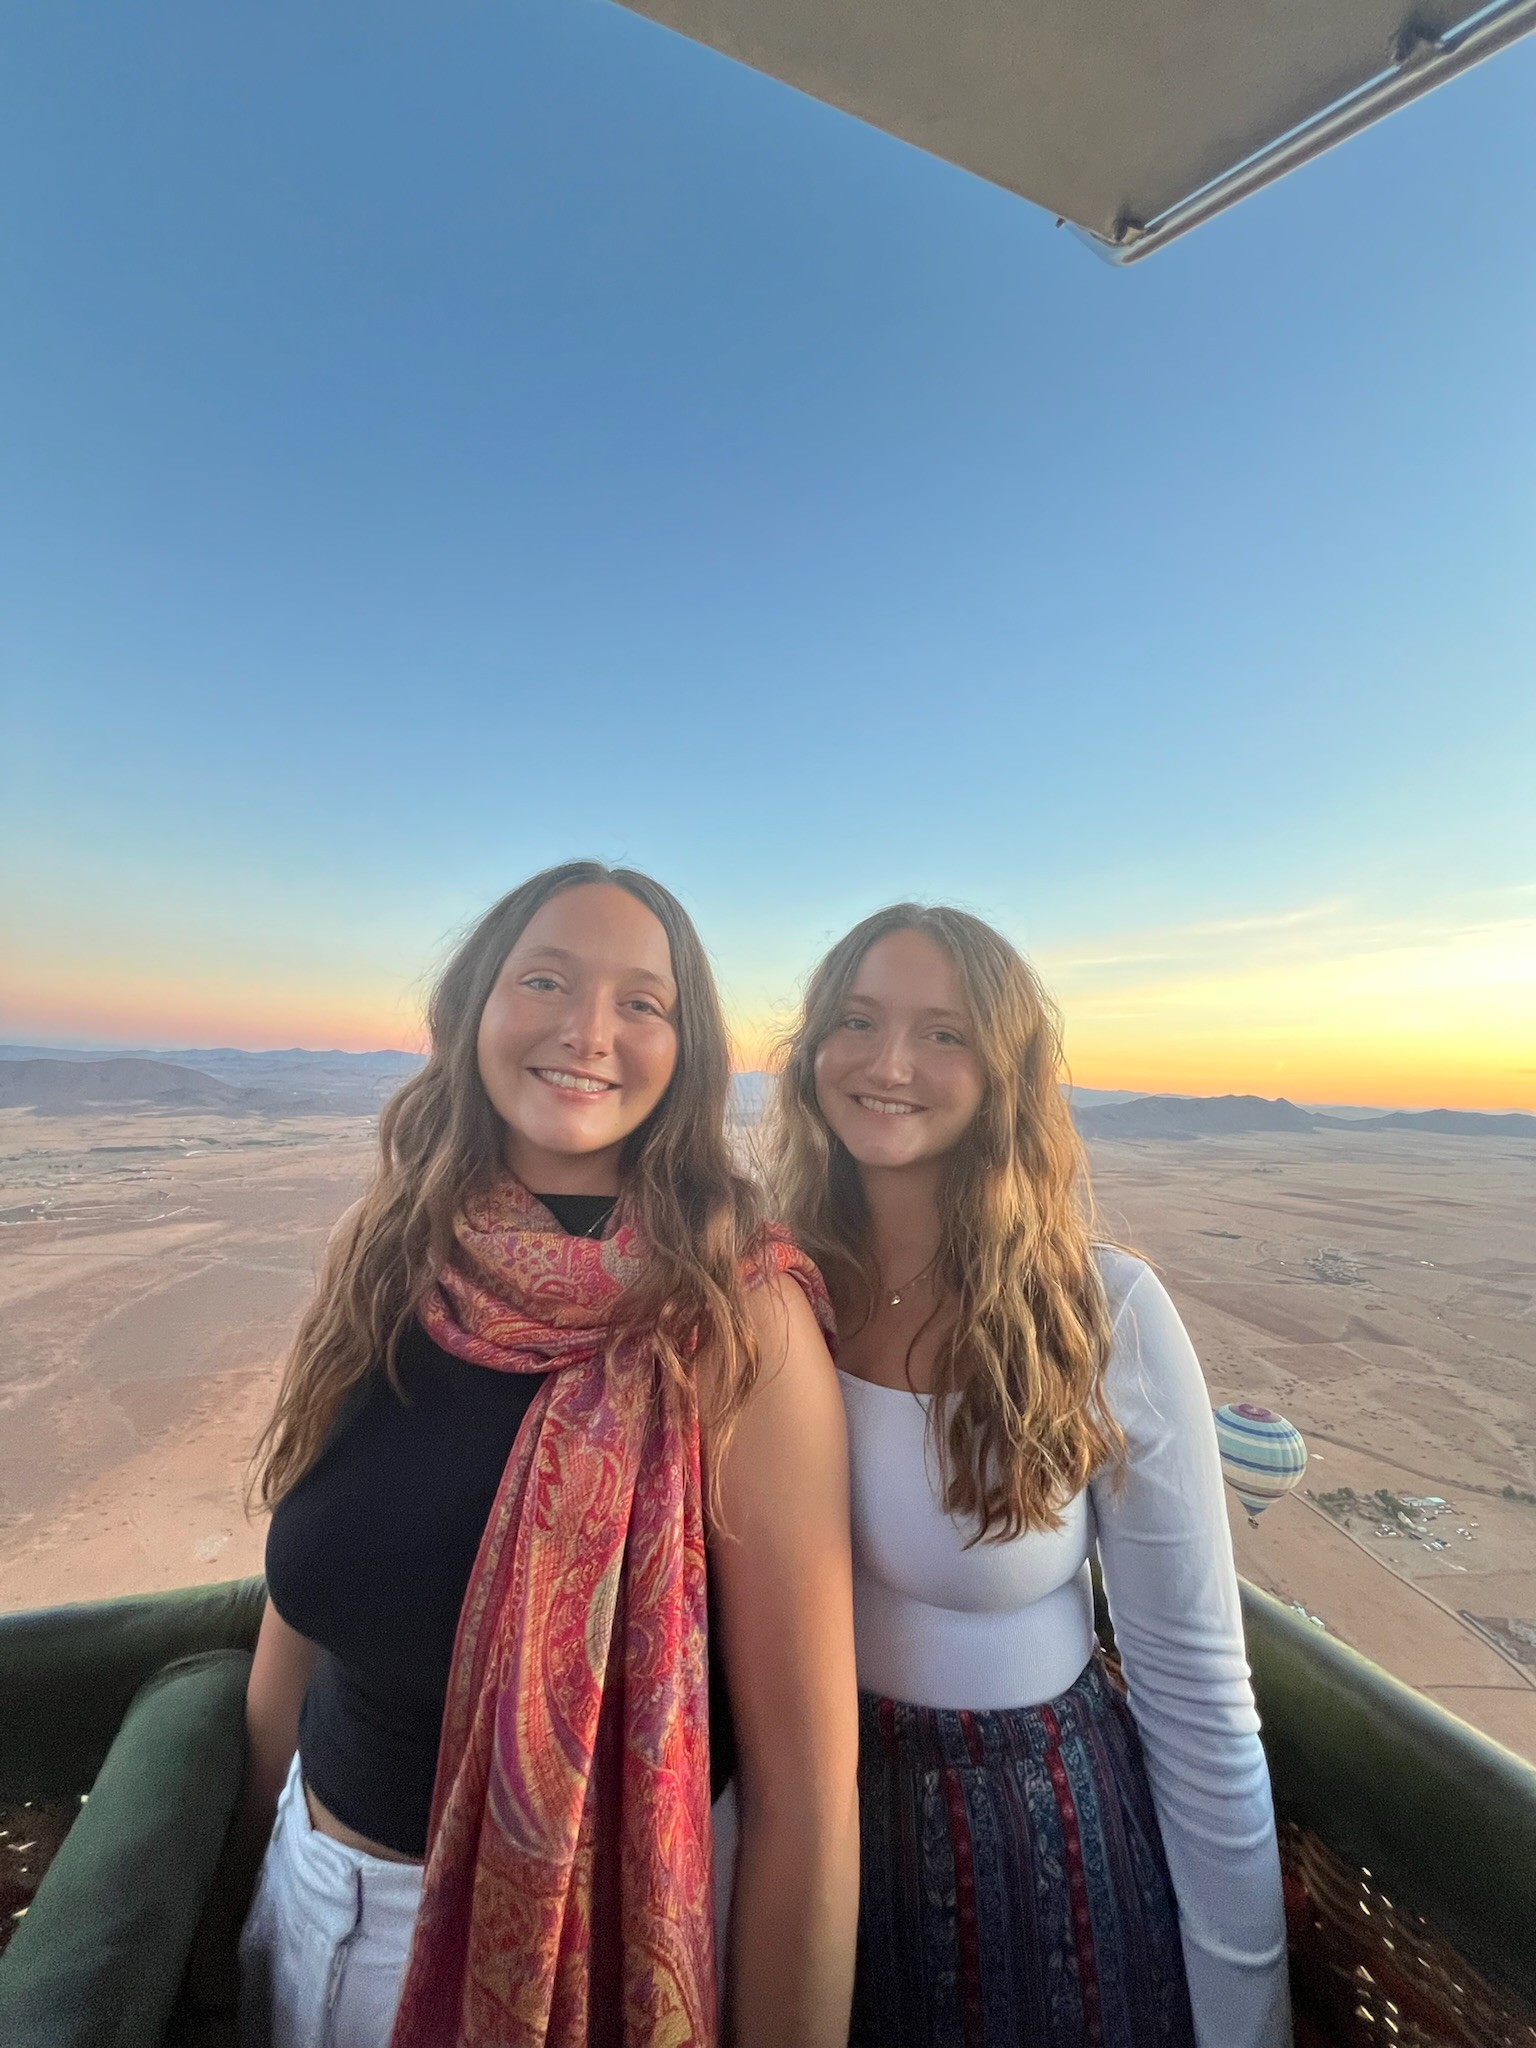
[
  {"x": 784, "y": 1324},
  {"x": 343, "y": 1228},
  {"x": 790, "y": 1437}
]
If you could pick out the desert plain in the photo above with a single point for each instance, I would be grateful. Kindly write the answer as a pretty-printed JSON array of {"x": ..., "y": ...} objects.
[
  {"x": 152, "y": 1271},
  {"x": 1377, "y": 1288}
]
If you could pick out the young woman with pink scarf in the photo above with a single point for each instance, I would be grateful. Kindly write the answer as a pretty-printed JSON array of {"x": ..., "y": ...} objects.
[{"x": 561, "y": 1400}]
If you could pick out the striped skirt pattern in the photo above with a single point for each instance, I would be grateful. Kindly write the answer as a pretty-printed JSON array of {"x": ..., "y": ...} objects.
[{"x": 1014, "y": 1889}]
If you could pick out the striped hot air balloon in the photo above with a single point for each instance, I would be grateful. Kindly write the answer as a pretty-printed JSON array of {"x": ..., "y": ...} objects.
[{"x": 1262, "y": 1455}]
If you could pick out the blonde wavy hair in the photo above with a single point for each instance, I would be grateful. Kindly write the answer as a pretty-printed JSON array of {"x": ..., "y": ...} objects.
[
  {"x": 1019, "y": 1418},
  {"x": 440, "y": 1143}
]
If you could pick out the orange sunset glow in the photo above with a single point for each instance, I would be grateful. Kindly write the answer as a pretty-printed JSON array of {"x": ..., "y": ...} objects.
[{"x": 1320, "y": 1005}]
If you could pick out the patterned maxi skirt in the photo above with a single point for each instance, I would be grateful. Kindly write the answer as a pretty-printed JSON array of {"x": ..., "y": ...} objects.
[{"x": 1014, "y": 1889}]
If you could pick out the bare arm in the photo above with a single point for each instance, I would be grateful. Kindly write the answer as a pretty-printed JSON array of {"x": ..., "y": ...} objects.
[
  {"x": 280, "y": 1672},
  {"x": 785, "y": 1594},
  {"x": 280, "y": 1675}
]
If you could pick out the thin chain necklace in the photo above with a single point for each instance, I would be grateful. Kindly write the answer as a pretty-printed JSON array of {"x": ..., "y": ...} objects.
[
  {"x": 595, "y": 1229},
  {"x": 897, "y": 1294}
]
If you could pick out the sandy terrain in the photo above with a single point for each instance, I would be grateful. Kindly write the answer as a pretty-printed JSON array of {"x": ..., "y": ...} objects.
[
  {"x": 151, "y": 1270},
  {"x": 1380, "y": 1290}
]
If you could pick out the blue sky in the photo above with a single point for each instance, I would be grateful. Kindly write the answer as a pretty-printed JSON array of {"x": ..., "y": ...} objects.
[{"x": 440, "y": 439}]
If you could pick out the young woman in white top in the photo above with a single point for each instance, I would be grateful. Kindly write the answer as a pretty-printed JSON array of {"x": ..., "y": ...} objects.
[{"x": 1042, "y": 1864}]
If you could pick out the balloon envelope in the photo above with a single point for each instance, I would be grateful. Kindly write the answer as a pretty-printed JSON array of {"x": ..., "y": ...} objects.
[{"x": 1262, "y": 1455}]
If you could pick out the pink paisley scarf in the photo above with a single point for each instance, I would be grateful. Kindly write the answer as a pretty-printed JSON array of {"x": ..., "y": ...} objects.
[{"x": 568, "y": 1895}]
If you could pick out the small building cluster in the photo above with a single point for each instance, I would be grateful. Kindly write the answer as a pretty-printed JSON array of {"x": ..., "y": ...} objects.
[{"x": 1414, "y": 1516}]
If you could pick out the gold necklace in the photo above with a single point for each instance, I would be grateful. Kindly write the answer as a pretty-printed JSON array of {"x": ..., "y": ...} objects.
[{"x": 895, "y": 1297}]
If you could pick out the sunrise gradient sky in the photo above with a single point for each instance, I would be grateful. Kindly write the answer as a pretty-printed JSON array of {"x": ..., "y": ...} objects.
[{"x": 443, "y": 439}]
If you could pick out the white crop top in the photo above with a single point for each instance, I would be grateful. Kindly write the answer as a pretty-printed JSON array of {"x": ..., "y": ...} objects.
[{"x": 1011, "y": 1624}]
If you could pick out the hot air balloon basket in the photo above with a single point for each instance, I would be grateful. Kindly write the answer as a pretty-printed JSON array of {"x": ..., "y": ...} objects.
[
  {"x": 1366, "y": 1973},
  {"x": 31, "y": 1832}
]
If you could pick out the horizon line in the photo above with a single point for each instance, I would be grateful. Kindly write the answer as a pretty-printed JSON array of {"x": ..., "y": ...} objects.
[{"x": 46, "y": 1046}]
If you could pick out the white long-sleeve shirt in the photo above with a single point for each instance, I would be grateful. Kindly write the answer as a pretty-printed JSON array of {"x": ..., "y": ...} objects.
[{"x": 1011, "y": 1624}]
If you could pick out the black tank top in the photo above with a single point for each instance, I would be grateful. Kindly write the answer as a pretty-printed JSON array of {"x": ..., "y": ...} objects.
[{"x": 369, "y": 1556}]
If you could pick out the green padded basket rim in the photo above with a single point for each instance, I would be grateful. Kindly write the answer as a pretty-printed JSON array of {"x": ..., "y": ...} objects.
[
  {"x": 1442, "y": 1816},
  {"x": 219, "y": 1597},
  {"x": 101, "y": 1951},
  {"x": 69, "y": 1673}
]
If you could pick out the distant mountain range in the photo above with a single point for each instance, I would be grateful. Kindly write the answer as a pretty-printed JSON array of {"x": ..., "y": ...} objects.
[
  {"x": 298, "y": 1082},
  {"x": 1446, "y": 1123},
  {"x": 1191, "y": 1116},
  {"x": 222, "y": 1079},
  {"x": 1212, "y": 1116},
  {"x": 61, "y": 1086},
  {"x": 1120, "y": 1113}
]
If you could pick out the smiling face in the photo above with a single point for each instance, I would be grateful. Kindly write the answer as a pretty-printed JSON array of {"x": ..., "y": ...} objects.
[
  {"x": 578, "y": 1038},
  {"x": 897, "y": 1077}
]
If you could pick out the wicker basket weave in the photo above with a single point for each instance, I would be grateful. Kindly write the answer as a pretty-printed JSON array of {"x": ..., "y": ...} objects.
[{"x": 1366, "y": 1973}]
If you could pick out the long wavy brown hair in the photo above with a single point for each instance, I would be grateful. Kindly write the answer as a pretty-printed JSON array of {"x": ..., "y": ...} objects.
[
  {"x": 440, "y": 1144},
  {"x": 1019, "y": 1417}
]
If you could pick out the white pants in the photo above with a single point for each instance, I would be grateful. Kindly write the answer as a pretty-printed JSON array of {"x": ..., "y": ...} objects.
[{"x": 325, "y": 1944}]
